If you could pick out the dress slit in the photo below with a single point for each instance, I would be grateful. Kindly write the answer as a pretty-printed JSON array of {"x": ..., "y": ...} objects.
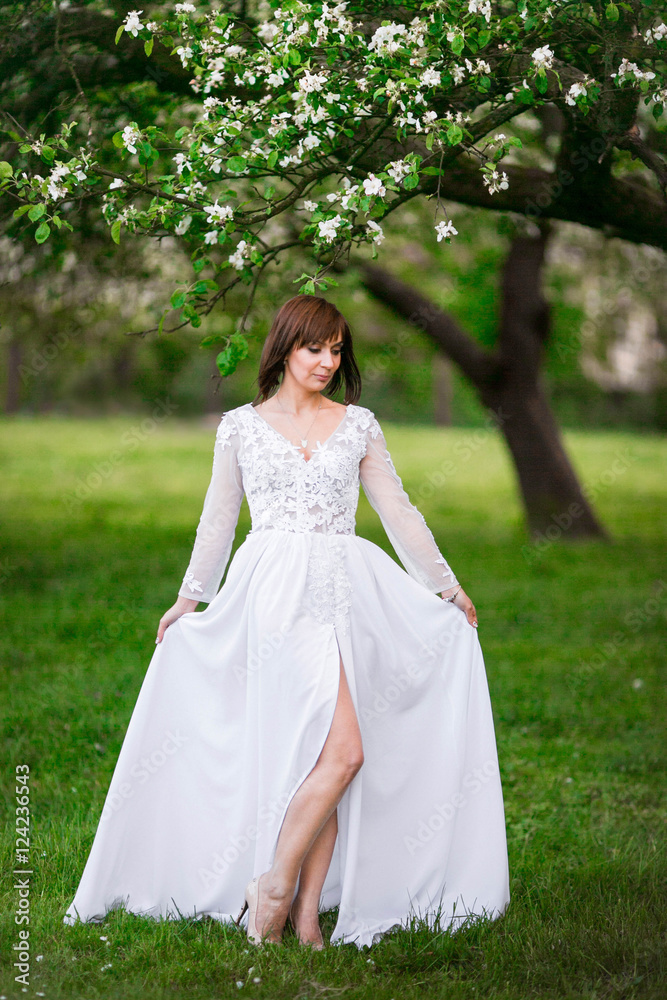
[{"x": 305, "y": 775}]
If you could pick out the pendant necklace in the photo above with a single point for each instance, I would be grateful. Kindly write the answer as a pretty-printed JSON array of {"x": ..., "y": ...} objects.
[{"x": 304, "y": 441}]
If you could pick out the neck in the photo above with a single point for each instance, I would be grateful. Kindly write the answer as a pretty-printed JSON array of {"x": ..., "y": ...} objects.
[{"x": 298, "y": 400}]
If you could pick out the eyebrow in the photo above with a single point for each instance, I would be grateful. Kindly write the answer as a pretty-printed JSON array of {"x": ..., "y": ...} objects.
[{"x": 337, "y": 344}]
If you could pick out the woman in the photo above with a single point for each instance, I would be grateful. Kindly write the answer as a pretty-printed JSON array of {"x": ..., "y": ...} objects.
[{"x": 321, "y": 735}]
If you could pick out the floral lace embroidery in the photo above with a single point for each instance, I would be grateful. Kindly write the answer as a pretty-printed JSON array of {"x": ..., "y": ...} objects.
[
  {"x": 189, "y": 581},
  {"x": 317, "y": 495},
  {"x": 328, "y": 588}
]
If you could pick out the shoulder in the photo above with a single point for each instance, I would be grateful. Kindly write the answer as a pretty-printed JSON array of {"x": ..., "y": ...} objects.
[
  {"x": 228, "y": 425},
  {"x": 365, "y": 418}
]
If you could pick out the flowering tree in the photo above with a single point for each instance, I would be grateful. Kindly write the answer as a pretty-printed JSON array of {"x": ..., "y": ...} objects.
[
  {"x": 331, "y": 118},
  {"x": 338, "y": 115}
]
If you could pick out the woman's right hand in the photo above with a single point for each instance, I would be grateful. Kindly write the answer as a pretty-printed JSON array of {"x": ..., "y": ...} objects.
[{"x": 181, "y": 607}]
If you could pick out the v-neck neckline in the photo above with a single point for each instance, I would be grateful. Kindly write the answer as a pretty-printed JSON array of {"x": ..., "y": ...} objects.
[{"x": 295, "y": 446}]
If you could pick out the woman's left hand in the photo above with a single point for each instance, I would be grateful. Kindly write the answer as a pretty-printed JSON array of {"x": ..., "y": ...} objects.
[{"x": 463, "y": 602}]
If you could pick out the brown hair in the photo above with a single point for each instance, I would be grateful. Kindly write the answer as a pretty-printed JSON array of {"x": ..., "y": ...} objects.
[{"x": 308, "y": 319}]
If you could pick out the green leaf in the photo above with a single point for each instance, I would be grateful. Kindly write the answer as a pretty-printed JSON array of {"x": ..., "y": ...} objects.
[
  {"x": 148, "y": 46},
  {"x": 457, "y": 44},
  {"x": 295, "y": 57},
  {"x": 181, "y": 132},
  {"x": 119, "y": 33},
  {"x": 21, "y": 211},
  {"x": 541, "y": 81},
  {"x": 202, "y": 287},
  {"x": 273, "y": 159},
  {"x": 429, "y": 140},
  {"x": 213, "y": 338},
  {"x": 115, "y": 231},
  {"x": 484, "y": 38},
  {"x": 42, "y": 233},
  {"x": 117, "y": 139},
  {"x": 657, "y": 111},
  {"x": 309, "y": 287},
  {"x": 410, "y": 181},
  {"x": 6, "y": 169},
  {"x": 48, "y": 154},
  {"x": 611, "y": 12},
  {"x": 237, "y": 164},
  {"x": 178, "y": 299},
  {"x": 36, "y": 212},
  {"x": 454, "y": 135}
]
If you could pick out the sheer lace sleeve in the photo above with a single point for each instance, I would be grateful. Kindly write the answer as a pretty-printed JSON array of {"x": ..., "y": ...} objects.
[
  {"x": 217, "y": 525},
  {"x": 405, "y": 526}
]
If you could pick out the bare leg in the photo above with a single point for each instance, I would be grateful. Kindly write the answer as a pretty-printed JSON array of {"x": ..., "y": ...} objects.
[
  {"x": 308, "y": 812},
  {"x": 306, "y": 905}
]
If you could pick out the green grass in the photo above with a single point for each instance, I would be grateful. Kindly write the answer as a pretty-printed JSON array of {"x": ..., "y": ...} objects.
[{"x": 573, "y": 637}]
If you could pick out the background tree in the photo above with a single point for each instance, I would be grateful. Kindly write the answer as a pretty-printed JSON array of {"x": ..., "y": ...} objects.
[{"x": 345, "y": 114}]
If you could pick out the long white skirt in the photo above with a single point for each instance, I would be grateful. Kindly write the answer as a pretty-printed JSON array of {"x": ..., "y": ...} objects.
[{"x": 232, "y": 715}]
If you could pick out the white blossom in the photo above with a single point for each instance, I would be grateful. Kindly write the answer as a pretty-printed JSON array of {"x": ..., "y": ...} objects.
[
  {"x": 117, "y": 182},
  {"x": 239, "y": 256},
  {"x": 185, "y": 8},
  {"x": 218, "y": 212},
  {"x": 430, "y": 77},
  {"x": 576, "y": 90},
  {"x": 211, "y": 237},
  {"x": 495, "y": 181},
  {"x": 131, "y": 137},
  {"x": 55, "y": 188},
  {"x": 374, "y": 228},
  {"x": 132, "y": 23},
  {"x": 656, "y": 34},
  {"x": 445, "y": 229},
  {"x": 626, "y": 68},
  {"x": 182, "y": 163},
  {"x": 482, "y": 7},
  {"x": 543, "y": 57},
  {"x": 398, "y": 169},
  {"x": 374, "y": 186},
  {"x": 267, "y": 32},
  {"x": 328, "y": 228},
  {"x": 183, "y": 225},
  {"x": 384, "y": 40},
  {"x": 310, "y": 82},
  {"x": 480, "y": 66},
  {"x": 185, "y": 53},
  {"x": 310, "y": 206}
]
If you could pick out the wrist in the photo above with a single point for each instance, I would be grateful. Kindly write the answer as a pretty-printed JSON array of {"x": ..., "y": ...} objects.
[{"x": 186, "y": 603}]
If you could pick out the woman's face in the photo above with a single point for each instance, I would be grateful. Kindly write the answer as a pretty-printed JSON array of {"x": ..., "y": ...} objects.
[{"x": 314, "y": 365}]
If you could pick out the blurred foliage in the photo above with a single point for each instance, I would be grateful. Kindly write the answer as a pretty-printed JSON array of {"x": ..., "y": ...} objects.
[{"x": 77, "y": 354}]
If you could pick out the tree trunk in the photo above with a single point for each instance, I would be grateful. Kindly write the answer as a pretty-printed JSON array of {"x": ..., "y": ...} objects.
[{"x": 508, "y": 381}]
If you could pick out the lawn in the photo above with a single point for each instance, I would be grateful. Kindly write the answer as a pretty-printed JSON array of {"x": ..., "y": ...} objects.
[{"x": 98, "y": 522}]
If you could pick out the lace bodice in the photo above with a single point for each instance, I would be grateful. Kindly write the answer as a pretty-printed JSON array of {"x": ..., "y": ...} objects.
[{"x": 286, "y": 491}]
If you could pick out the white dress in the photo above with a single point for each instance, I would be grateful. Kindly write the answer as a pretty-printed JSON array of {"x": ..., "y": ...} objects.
[{"x": 237, "y": 702}]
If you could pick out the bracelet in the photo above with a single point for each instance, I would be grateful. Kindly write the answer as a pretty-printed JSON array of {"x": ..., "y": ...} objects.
[{"x": 451, "y": 599}]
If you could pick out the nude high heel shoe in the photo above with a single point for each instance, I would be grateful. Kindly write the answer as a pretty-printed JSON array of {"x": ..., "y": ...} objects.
[
  {"x": 251, "y": 898},
  {"x": 251, "y": 903}
]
